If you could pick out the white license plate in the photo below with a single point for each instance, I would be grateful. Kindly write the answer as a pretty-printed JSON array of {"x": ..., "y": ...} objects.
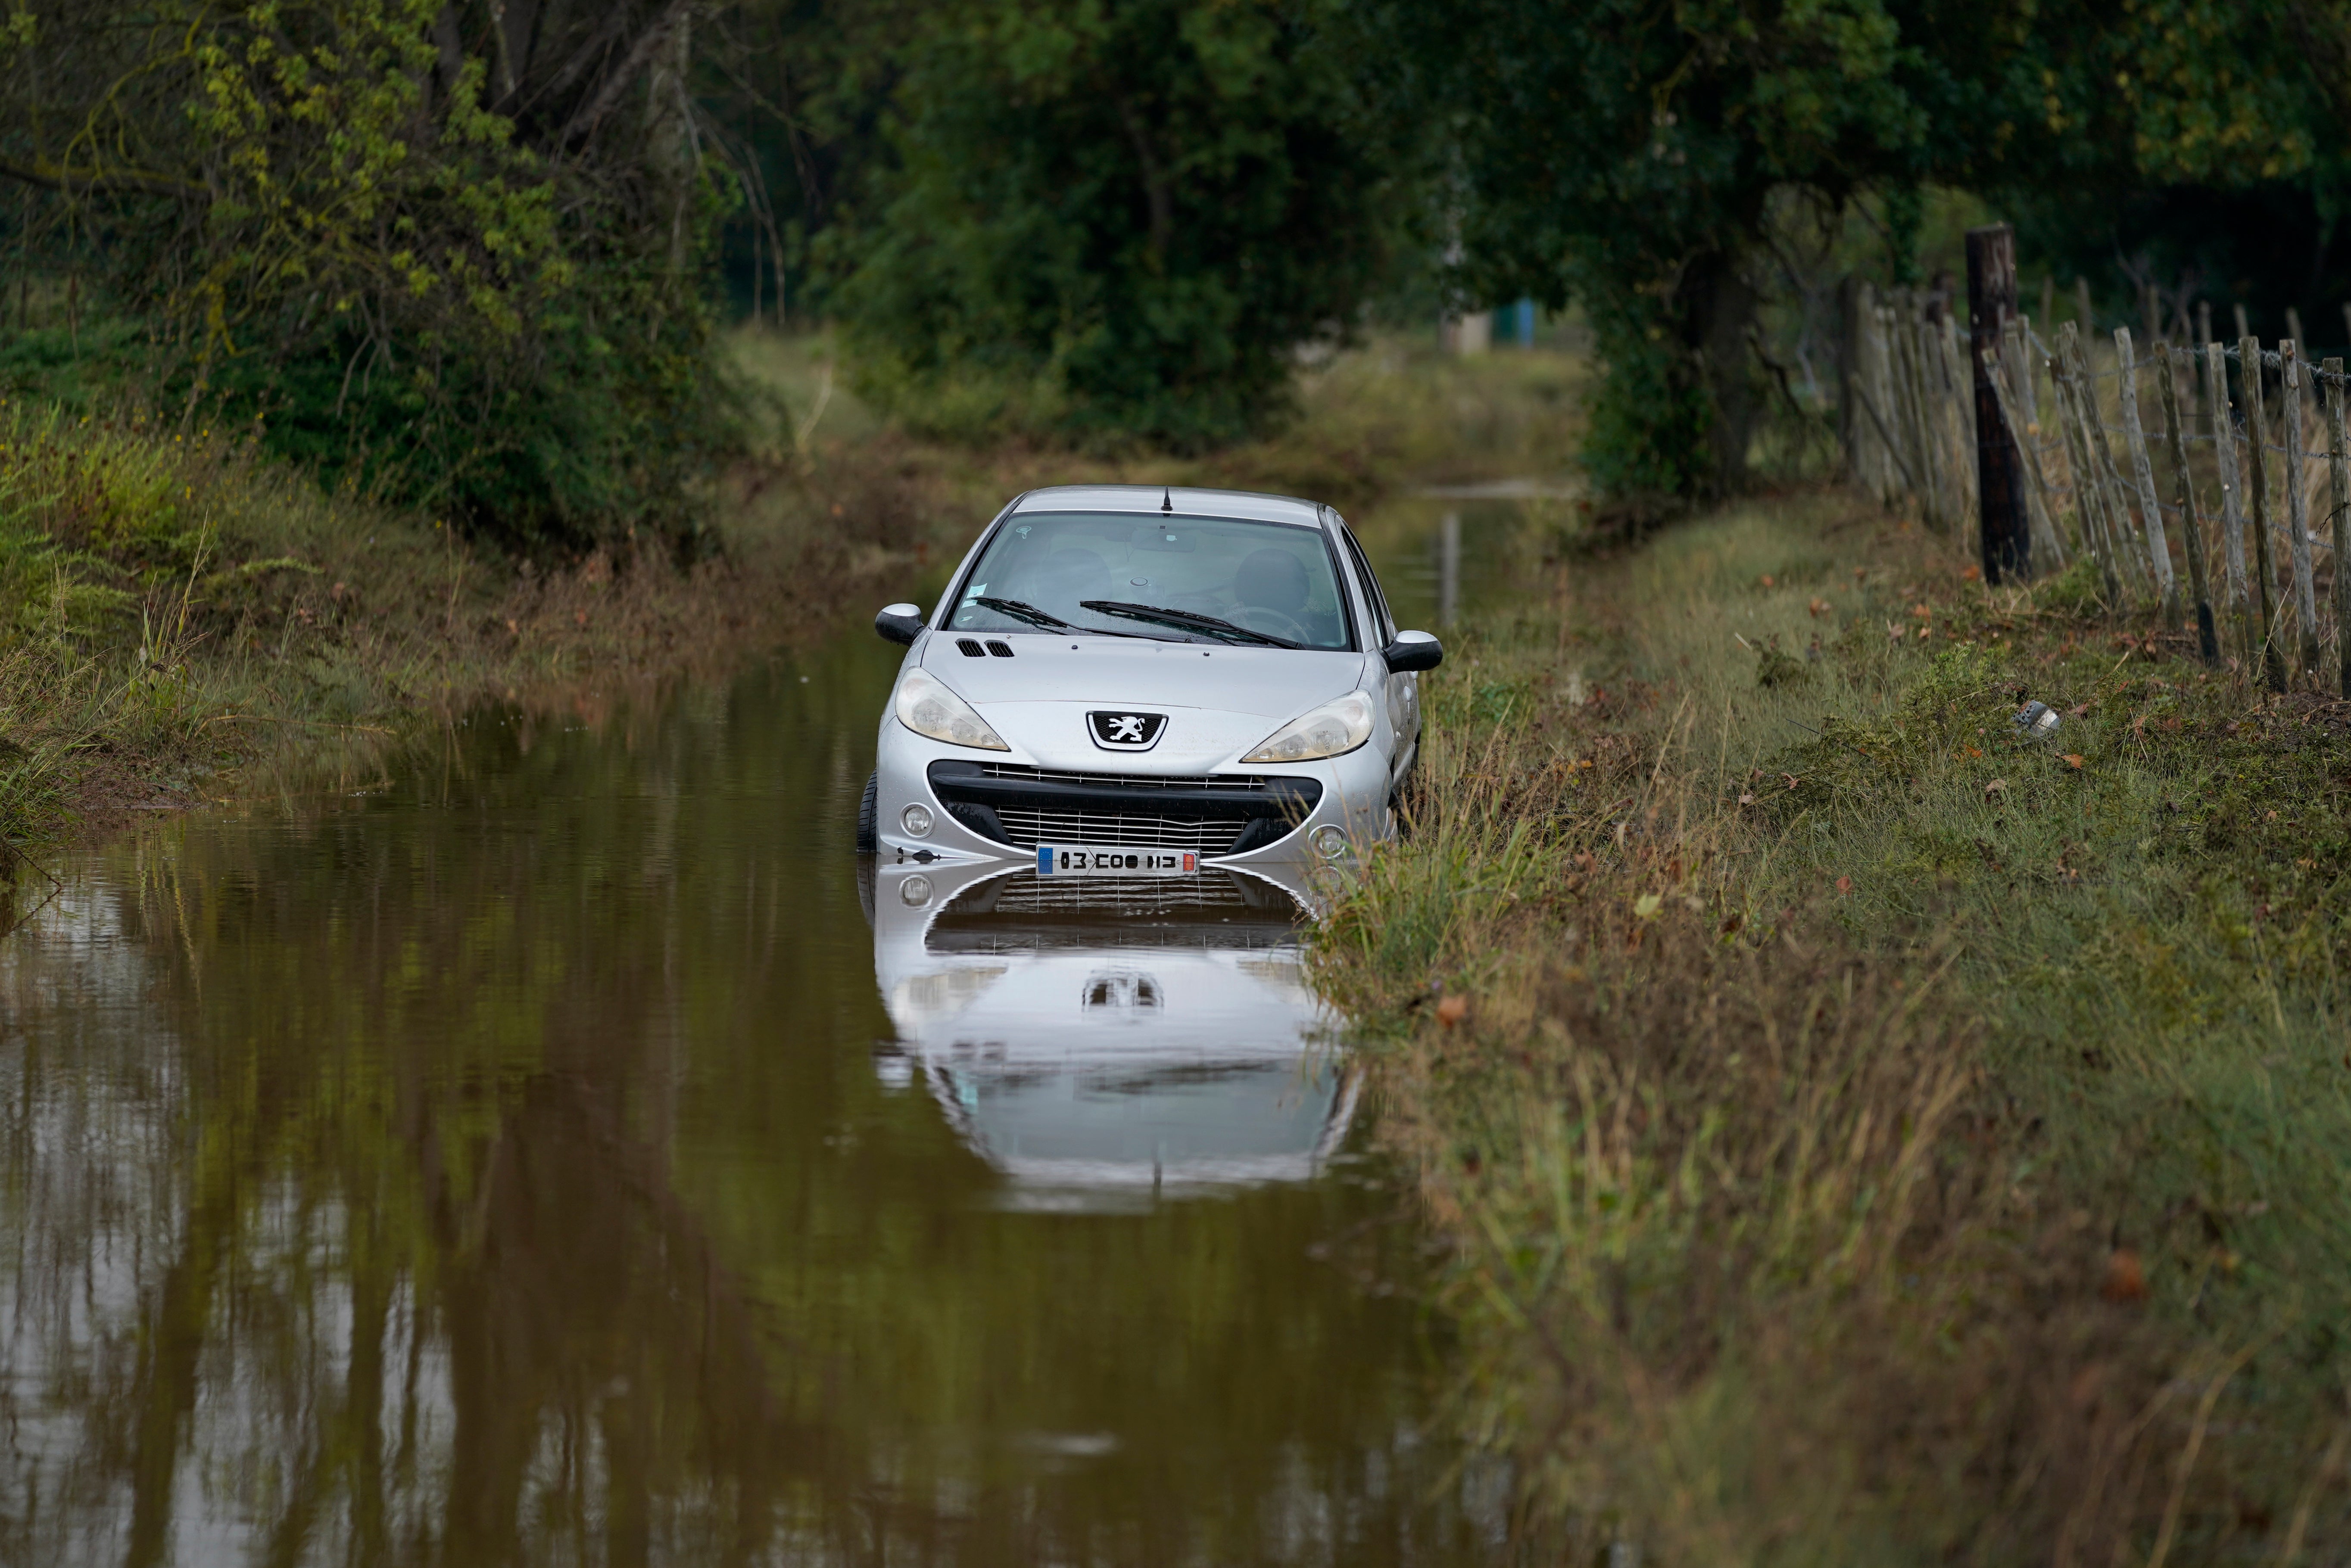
[{"x": 1070, "y": 860}]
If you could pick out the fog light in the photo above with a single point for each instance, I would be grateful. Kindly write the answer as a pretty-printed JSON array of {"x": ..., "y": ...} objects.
[
  {"x": 916, "y": 890},
  {"x": 917, "y": 820},
  {"x": 1329, "y": 841}
]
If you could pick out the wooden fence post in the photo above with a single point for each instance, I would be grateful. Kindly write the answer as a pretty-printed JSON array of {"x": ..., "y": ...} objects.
[
  {"x": 2024, "y": 426},
  {"x": 2238, "y": 603},
  {"x": 2089, "y": 498},
  {"x": 2297, "y": 509},
  {"x": 2270, "y": 658},
  {"x": 2191, "y": 528},
  {"x": 2122, "y": 539},
  {"x": 1910, "y": 339},
  {"x": 1930, "y": 419},
  {"x": 1959, "y": 403},
  {"x": 2002, "y": 523},
  {"x": 2143, "y": 472},
  {"x": 2339, "y": 470}
]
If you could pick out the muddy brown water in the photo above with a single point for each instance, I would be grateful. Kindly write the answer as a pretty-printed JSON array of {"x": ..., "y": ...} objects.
[{"x": 554, "y": 1154}]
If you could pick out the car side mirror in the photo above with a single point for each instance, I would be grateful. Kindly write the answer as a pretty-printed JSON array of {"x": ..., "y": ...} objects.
[
  {"x": 900, "y": 624},
  {"x": 1413, "y": 650}
]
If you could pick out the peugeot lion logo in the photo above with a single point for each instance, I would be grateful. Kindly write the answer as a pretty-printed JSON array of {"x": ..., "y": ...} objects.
[{"x": 1126, "y": 732}]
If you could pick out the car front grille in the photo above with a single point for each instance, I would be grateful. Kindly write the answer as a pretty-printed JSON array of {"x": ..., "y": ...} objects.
[
  {"x": 1024, "y": 807},
  {"x": 1240, "y": 784},
  {"x": 1029, "y": 828}
]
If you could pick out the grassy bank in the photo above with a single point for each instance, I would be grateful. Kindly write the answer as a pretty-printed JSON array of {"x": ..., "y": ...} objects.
[
  {"x": 1866, "y": 1134},
  {"x": 182, "y": 618}
]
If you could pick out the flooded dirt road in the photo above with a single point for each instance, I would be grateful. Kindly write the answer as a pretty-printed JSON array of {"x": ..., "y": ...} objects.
[{"x": 554, "y": 1155}]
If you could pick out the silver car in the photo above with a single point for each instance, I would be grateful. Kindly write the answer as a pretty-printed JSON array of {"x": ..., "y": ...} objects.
[{"x": 1130, "y": 680}]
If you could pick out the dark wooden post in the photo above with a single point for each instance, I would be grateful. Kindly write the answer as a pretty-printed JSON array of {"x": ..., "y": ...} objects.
[{"x": 1999, "y": 467}]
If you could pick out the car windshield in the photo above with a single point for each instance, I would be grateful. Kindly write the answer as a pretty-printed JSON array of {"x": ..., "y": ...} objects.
[{"x": 1268, "y": 582}]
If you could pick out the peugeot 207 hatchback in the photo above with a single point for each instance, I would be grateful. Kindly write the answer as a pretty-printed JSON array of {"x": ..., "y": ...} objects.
[{"x": 1134, "y": 680}]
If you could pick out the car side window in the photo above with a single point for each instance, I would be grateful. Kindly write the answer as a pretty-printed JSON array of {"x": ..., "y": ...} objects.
[{"x": 1370, "y": 586}]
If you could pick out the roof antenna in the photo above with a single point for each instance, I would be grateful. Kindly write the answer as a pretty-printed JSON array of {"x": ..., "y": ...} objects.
[{"x": 1167, "y": 499}]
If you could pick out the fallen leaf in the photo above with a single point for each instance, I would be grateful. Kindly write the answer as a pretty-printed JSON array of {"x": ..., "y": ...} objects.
[
  {"x": 1844, "y": 885},
  {"x": 1925, "y": 632},
  {"x": 2073, "y": 759},
  {"x": 1997, "y": 787},
  {"x": 1920, "y": 612},
  {"x": 1973, "y": 574},
  {"x": 1452, "y": 1010},
  {"x": 1819, "y": 606},
  {"x": 1747, "y": 800},
  {"x": 1647, "y": 906},
  {"x": 1793, "y": 780},
  {"x": 2125, "y": 1277},
  {"x": 1767, "y": 579}
]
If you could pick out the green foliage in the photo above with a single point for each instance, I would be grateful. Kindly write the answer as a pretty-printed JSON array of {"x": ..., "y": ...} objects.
[
  {"x": 420, "y": 264},
  {"x": 1115, "y": 222}
]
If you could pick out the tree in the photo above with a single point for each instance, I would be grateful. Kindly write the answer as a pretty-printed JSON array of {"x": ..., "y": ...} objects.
[
  {"x": 1115, "y": 220},
  {"x": 449, "y": 251}
]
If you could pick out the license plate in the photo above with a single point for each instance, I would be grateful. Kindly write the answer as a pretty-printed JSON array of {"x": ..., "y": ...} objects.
[{"x": 1063, "y": 860}]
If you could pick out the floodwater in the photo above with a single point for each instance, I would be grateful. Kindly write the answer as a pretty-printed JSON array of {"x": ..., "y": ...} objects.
[{"x": 554, "y": 1153}]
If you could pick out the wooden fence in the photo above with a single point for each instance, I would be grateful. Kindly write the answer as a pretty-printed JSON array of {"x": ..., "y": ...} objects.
[{"x": 2250, "y": 443}]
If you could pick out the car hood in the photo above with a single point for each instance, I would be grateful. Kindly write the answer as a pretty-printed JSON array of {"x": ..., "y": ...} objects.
[{"x": 1217, "y": 700}]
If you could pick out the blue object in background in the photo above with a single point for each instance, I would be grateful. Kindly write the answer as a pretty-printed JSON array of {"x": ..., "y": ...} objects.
[{"x": 1526, "y": 323}]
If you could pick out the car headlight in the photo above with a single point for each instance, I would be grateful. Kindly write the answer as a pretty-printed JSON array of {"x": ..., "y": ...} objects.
[
  {"x": 1332, "y": 728},
  {"x": 926, "y": 707}
]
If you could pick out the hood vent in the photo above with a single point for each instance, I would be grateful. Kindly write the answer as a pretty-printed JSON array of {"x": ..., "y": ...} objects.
[
  {"x": 998, "y": 647},
  {"x": 970, "y": 646}
]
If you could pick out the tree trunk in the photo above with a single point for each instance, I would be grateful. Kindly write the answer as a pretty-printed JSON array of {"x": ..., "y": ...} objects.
[{"x": 1719, "y": 305}]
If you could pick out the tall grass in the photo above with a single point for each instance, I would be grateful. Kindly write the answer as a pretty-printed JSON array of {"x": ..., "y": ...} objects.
[{"x": 1866, "y": 1135}]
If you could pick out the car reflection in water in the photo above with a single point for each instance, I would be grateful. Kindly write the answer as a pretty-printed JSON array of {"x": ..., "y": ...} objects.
[{"x": 1106, "y": 1041}]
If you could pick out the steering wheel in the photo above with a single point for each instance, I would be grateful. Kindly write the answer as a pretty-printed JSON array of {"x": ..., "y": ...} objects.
[{"x": 1258, "y": 618}]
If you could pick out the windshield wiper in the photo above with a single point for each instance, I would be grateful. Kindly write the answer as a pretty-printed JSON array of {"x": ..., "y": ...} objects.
[
  {"x": 1020, "y": 610},
  {"x": 1190, "y": 619}
]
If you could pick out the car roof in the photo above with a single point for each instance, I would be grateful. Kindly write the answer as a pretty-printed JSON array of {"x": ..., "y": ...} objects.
[{"x": 1157, "y": 498}]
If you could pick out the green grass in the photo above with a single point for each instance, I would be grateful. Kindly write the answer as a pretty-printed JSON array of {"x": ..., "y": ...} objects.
[{"x": 1809, "y": 1071}]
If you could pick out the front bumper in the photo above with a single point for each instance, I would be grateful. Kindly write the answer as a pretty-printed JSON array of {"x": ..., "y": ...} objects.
[{"x": 978, "y": 813}]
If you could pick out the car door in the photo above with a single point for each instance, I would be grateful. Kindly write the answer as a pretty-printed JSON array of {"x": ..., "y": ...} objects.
[{"x": 1403, "y": 694}]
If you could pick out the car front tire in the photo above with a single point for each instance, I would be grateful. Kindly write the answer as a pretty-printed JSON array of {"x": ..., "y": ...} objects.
[{"x": 869, "y": 836}]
